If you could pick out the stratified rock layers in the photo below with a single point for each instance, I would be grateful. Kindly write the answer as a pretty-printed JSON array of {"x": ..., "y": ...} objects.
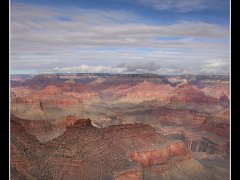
[
  {"x": 133, "y": 151},
  {"x": 189, "y": 113}
]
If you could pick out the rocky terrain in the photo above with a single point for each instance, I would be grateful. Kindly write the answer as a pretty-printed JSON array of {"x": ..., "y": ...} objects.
[
  {"x": 131, "y": 151},
  {"x": 142, "y": 126}
]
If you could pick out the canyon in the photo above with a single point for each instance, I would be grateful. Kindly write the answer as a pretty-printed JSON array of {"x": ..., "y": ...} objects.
[{"x": 132, "y": 126}]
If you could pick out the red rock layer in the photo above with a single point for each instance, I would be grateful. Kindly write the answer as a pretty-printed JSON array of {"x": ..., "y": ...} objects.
[
  {"x": 159, "y": 156},
  {"x": 135, "y": 174},
  {"x": 85, "y": 152}
]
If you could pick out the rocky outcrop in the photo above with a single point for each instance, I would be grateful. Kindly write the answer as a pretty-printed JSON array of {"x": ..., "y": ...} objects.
[
  {"x": 220, "y": 129},
  {"x": 216, "y": 88},
  {"x": 200, "y": 144},
  {"x": 86, "y": 152},
  {"x": 130, "y": 174},
  {"x": 188, "y": 93},
  {"x": 158, "y": 156},
  {"x": 48, "y": 108}
]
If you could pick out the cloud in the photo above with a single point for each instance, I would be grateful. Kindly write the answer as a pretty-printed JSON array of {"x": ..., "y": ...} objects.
[
  {"x": 140, "y": 67},
  {"x": 185, "y": 5},
  {"x": 86, "y": 69},
  {"x": 41, "y": 40},
  {"x": 99, "y": 28},
  {"x": 214, "y": 68}
]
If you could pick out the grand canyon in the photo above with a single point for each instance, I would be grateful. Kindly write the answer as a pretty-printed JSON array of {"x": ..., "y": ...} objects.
[{"x": 91, "y": 126}]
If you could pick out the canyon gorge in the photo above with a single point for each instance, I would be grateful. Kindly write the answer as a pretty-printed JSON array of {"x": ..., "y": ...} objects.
[{"x": 122, "y": 127}]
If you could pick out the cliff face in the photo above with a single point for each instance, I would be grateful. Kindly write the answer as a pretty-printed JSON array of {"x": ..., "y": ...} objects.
[
  {"x": 123, "y": 91},
  {"x": 159, "y": 156},
  {"x": 190, "y": 103},
  {"x": 216, "y": 89},
  {"x": 188, "y": 93},
  {"x": 86, "y": 152},
  {"x": 200, "y": 144},
  {"x": 128, "y": 108}
]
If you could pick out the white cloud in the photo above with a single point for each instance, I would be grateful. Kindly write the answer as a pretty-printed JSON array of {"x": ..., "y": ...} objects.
[
  {"x": 214, "y": 68},
  {"x": 87, "y": 69},
  {"x": 144, "y": 67},
  {"x": 140, "y": 67},
  {"x": 103, "y": 39}
]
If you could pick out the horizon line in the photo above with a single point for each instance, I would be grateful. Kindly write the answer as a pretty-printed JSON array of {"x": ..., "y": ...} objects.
[{"x": 56, "y": 73}]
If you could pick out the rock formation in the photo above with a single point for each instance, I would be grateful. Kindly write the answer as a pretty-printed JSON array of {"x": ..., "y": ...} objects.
[
  {"x": 143, "y": 126},
  {"x": 133, "y": 151}
]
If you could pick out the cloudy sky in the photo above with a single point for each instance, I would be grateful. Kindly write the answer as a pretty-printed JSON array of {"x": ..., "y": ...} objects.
[{"x": 120, "y": 36}]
